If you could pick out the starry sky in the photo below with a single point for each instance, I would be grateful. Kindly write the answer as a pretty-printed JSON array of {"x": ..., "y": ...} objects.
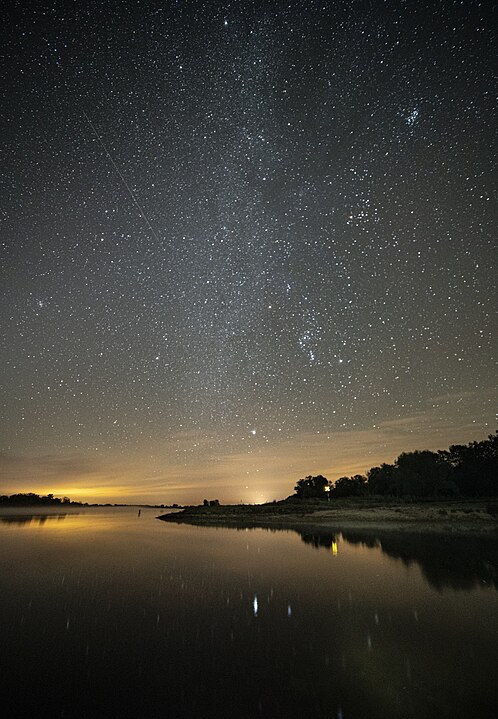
[{"x": 242, "y": 242}]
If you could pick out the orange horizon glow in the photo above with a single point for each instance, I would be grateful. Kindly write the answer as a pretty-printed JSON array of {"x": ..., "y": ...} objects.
[{"x": 252, "y": 477}]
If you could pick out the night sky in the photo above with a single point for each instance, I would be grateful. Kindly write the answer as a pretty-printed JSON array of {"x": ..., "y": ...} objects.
[{"x": 242, "y": 242}]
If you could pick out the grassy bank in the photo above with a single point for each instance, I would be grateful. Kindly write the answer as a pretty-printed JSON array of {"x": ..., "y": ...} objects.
[{"x": 374, "y": 513}]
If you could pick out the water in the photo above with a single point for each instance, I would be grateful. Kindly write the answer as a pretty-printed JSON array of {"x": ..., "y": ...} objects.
[{"x": 109, "y": 614}]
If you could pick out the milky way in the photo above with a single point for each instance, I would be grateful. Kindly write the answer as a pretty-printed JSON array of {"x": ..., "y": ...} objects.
[{"x": 244, "y": 243}]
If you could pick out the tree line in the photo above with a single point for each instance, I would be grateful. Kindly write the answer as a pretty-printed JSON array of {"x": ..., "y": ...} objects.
[
  {"x": 469, "y": 470},
  {"x": 30, "y": 498}
]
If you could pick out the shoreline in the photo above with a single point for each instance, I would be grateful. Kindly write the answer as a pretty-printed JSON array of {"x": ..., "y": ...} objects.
[{"x": 454, "y": 517}]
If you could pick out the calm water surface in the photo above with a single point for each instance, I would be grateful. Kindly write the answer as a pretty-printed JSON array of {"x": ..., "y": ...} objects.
[{"x": 109, "y": 614}]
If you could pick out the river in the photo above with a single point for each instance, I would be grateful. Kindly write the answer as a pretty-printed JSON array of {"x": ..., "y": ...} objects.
[{"x": 105, "y": 612}]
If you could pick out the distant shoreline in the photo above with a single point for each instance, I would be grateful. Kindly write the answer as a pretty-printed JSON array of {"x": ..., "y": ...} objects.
[
  {"x": 456, "y": 516},
  {"x": 35, "y": 501}
]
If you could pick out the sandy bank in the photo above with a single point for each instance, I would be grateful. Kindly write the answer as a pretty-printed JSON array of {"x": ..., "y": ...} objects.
[{"x": 453, "y": 517}]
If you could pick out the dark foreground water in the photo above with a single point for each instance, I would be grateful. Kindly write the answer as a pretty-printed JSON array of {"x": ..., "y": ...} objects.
[{"x": 110, "y": 614}]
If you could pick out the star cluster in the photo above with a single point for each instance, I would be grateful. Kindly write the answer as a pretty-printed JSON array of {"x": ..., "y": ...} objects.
[{"x": 227, "y": 227}]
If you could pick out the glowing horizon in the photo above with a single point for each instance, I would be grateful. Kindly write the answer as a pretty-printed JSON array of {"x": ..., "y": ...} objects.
[{"x": 269, "y": 474}]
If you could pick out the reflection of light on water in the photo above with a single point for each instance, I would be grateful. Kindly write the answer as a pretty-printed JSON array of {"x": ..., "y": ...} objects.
[
  {"x": 99, "y": 520},
  {"x": 255, "y": 606},
  {"x": 334, "y": 549}
]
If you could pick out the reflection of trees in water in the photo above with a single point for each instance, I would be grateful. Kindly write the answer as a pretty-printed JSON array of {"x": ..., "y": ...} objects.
[
  {"x": 461, "y": 562},
  {"x": 24, "y": 519},
  {"x": 446, "y": 561},
  {"x": 319, "y": 539}
]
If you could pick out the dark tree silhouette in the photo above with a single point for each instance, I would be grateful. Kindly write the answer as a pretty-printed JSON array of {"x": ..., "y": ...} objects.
[
  {"x": 469, "y": 470},
  {"x": 421, "y": 474},
  {"x": 311, "y": 487},
  {"x": 350, "y": 486},
  {"x": 30, "y": 499},
  {"x": 474, "y": 466},
  {"x": 382, "y": 480}
]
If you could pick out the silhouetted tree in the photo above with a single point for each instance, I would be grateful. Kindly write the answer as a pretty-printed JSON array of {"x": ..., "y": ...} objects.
[
  {"x": 421, "y": 474},
  {"x": 30, "y": 498},
  {"x": 382, "y": 480},
  {"x": 468, "y": 469},
  {"x": 311, "y": 487},
  {"x": 474, "y": 466},
  {"x": 350, "y": 486}
]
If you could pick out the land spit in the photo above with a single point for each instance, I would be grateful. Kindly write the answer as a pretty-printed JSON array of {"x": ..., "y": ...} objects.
[{"x": 450, "y": 516}]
